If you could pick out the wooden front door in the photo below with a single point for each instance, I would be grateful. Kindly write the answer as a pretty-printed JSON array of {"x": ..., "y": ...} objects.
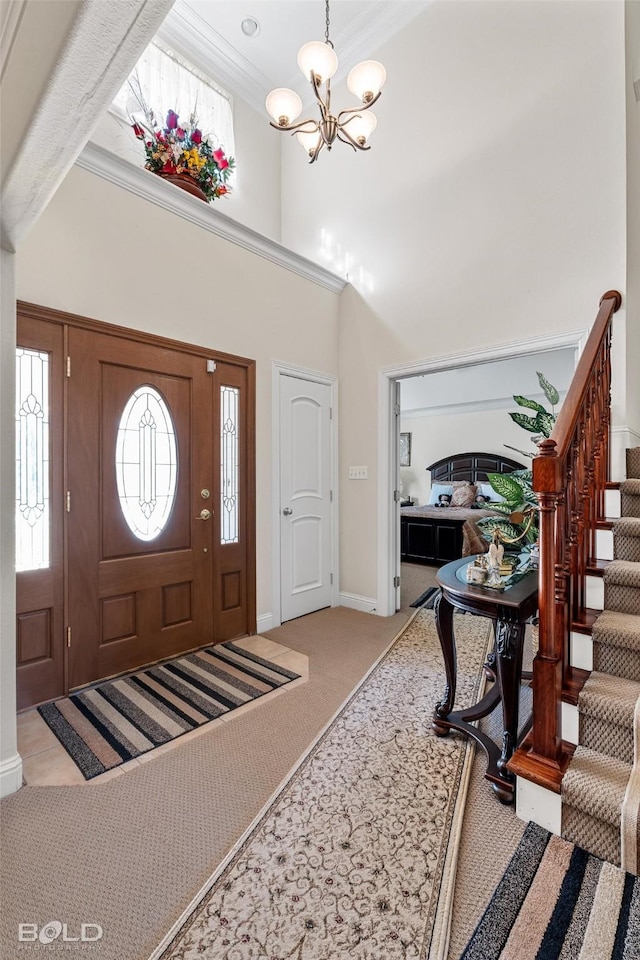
[
  {"x": 140, "y": 530},
  {"x": 153, "y": 471}
]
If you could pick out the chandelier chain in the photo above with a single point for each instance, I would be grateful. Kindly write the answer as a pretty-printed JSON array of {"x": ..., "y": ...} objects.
[{"x": 326, "y": 32}]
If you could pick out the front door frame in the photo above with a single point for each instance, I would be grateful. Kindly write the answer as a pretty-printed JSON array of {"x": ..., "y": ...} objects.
[
  {"x": 388, "y": 427},
  {"x": 67, "y": 320},
  {"x": 283, "y": 369}
]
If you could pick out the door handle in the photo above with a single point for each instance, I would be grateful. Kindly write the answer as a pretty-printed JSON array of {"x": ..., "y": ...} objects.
[
  {"x": 287, "y": 511},
  {"x": 204, "y": 515}
]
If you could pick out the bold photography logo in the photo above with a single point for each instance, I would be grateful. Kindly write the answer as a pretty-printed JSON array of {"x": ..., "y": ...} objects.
[{"x": 55, "y": 930}]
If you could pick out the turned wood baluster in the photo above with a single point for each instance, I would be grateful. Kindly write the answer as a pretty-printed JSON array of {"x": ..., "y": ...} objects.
[{"x": 569, "y": 475}]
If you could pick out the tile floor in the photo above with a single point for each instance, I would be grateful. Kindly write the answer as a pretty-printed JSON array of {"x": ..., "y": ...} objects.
[{"x": 45, "y": 762}]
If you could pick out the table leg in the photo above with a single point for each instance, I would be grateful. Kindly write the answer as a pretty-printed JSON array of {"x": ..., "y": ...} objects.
[
  {"x": 444, "y": 624},
  {"x": 509, "y": 639}
]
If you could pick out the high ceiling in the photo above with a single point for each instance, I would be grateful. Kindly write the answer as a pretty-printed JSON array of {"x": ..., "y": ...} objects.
[{"x": 253, "y": 66}]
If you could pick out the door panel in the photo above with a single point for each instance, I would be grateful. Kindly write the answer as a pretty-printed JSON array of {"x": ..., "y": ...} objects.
[
  {"x": 39, "y": 513},
  {"x": 232, "y": 502},
  {"x": 133, "y": 600},
  {"x": 305, "y": 479}
]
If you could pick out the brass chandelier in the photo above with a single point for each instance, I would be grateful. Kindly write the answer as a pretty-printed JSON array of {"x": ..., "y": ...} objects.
[{"x": 318, "y": 62}]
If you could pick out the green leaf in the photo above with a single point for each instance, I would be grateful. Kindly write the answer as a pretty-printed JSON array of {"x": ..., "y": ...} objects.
[
  {"x": 550, "y": 392},
  {"x": 531, "y": 404},
  {"x": 526, "y": 475},
  {"x": 527, "y": 423},
  {"x": 544, "y": 423},
  {"x": 508, "y": 488},
  {"x": 500, "y": 507},
  {"x": 489, "y": 524}
]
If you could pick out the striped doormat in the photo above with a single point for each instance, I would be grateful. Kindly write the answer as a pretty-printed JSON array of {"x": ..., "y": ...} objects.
[
  {"x": 558, "y": 902},
  {"x": 108, "y": 724}
]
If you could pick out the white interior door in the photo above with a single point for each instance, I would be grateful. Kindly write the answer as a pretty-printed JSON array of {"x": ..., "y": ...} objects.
[
  {"x": 397, "y": 492},
  {"x": 305, "y": 496}
]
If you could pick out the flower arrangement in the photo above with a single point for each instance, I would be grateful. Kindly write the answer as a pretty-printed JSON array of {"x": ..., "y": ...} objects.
[{"x": 181, "y": 148}]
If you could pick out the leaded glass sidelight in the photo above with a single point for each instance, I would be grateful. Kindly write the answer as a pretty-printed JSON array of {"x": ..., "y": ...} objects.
[
  {"x": 33, "y": 516},
  {"x": 146, "y": 463},
  {"x": 229, "y": 466}
]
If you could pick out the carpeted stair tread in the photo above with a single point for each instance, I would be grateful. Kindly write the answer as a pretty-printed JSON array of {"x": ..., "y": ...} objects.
[
  {"x": 617, "y": 629},
  {"x": 606, "y": 705},
  {"x": 595, "y": 785},
  {"x": 626, "y": 539},
  {"x": 626, "y": 527},
  {"x": 631, "y": 487},
  {"x": 624, "y": 573},
  {"x": 633, "y": 462},
  {"x": 616, "y": 644}
]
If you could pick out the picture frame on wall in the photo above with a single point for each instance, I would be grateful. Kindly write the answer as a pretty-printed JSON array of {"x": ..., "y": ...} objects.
[{"x": 405, "y": 449}]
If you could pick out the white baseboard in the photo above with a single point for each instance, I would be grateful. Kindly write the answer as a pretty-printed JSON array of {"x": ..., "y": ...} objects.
[
  {"x": 264, "y": 622},
  {"x": 570, "y": 723},
  {"x": 594, "y": 588},
  {"x": 622, "y": 438},
  {"x": 355, "y": 602},
  {"x": 581, "y": 651},
  {"x": 536, "y": 803},
  {"x": 10, "y": 775},
  {"x": 604, "y": 545},
  {"x": 612, "y": 507}
]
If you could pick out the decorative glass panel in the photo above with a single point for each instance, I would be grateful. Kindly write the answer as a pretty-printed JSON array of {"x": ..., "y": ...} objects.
[
  {"x": 229, "y": 490},
  {"x": 33, "y": 515},
  {"x": 146, "y": 463}
]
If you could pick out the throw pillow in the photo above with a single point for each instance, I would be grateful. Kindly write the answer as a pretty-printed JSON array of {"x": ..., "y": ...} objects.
[{"x": 463, "y": 495}]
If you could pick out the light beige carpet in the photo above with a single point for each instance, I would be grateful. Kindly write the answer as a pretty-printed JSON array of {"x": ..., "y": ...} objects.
[{"x": 132, "y": 853}]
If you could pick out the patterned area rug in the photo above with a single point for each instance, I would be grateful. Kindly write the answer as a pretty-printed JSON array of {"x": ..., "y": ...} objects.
[
  {"x": 113, "y": 722},
  {"x": 355, "y": 855},
  {"x": 558, "y": 902}
]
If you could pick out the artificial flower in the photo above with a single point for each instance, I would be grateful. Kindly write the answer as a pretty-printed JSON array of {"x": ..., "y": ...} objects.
[{"x": 182, "y": 148}]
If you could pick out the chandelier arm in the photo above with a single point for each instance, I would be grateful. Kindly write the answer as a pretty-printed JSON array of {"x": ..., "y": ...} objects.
[
  {"x": 324, "y": 107},
  {"x": 360, "y": 108},
  {"x": 315, "y": 126},
  {"x": 314, "y": 156},
  {"x": 346, "y": 137}
]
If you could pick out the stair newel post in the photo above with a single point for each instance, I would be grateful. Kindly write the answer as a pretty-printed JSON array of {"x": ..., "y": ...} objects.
[{"x": 548, "y": 662}]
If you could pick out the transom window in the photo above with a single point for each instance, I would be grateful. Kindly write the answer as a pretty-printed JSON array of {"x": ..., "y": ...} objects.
[{"x": 168, "y": 82}]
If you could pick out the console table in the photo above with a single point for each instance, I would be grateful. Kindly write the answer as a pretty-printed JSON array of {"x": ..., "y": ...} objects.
[{"x": 509, "y": 609}]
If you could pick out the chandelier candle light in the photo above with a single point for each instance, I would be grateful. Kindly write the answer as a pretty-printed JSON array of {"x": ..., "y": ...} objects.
[{"x": 318, "y": 62}]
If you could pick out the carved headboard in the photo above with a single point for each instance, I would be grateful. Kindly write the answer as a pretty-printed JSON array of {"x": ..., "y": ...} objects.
[{"x": 471, "y": 466}]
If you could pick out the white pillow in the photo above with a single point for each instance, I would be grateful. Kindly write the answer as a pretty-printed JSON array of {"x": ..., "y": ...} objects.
[
  {"x": 486, "y": 490},
  {"x": 436, "y": 490}
]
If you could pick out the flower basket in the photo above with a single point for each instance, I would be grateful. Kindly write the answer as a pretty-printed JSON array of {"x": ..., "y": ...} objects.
[
  {"x": 180, "y": 153},
  {"x": 185, "y": 182}
]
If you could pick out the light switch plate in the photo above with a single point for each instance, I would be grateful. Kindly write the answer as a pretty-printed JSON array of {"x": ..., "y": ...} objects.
[{"x": 357, "y": 473}]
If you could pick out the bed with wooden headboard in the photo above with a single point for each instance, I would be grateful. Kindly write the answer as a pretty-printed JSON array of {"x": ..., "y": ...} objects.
[{"x": 436, "y": 535}]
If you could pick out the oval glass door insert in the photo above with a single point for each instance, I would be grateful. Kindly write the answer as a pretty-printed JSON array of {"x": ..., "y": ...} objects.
[{"x": 146, "y": 463}]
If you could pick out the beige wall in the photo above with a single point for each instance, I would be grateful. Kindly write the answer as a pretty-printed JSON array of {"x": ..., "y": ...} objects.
[
  {"x": 491, "y": 207},
  {"x": 435, "y": 437},
  {"x": 100, "y": 252}
]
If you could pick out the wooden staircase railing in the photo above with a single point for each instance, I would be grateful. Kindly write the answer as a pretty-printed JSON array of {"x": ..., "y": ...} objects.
[{"x": 569, "y": 478}]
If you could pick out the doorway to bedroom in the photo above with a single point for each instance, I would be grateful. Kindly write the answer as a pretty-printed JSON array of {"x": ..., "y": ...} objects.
[{"x": 450, "y": 424}]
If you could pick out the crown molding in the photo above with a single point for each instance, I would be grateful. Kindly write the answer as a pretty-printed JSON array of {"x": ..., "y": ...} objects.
[
  {"x": 185, "y": 31},
  {"x": 188, "y": 33},
  {"x": 144, "y": 184},
  {"x": 473, "y": 406}
]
